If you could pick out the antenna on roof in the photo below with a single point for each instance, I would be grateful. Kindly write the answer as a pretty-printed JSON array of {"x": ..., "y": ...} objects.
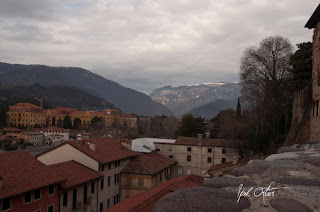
[{"x": 40, "y": 100}]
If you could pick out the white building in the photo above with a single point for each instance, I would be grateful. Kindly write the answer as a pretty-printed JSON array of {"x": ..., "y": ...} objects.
[
  {"x": 146, "y": 145},
  {"x": 55, "y": 131}
]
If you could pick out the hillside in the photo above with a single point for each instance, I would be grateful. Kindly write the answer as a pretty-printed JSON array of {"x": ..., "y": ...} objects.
[
  {"x": 183, "y": 99},
  {"x": 128, "y": 100},
  {"x": 55, "y": 96},
  {"x": 212, "y": 109}
]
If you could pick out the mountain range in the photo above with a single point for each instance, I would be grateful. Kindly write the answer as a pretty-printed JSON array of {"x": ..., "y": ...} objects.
[
  {"x": 126, "y": 99},
  {"x": 187, "y": 98}
]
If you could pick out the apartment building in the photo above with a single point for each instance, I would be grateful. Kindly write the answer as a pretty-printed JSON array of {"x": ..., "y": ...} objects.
[
  {"x": 80, "y": 191},
  {"x": 197, "y": 155},
  {"x": 50, "y": 131},
  {"x": 26, "y": 184},
  {"x": 146, "y": 172},
  {"x": 103, "y": 155}
]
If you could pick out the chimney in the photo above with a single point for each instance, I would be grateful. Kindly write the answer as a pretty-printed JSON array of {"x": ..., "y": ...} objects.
[
  {"x": 200, "y": 139},
  {"x": 93, "y": 146},
  {"x": 235, "y": 160}
]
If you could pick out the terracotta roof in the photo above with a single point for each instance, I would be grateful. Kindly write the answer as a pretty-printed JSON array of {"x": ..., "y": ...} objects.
[
  {"x": 107, "y": 149},
  {"x": 145, "y": 201},
  {"x": 126, "y": 116},
  {"x": 20, "y": 172},
  {"x": 11, "y": 130},
  {"x": 314, "y": 19},
  {"x": 78, "y": 112},
  {"x": 75, "y": 173},
  {"x": 25, "y": 105},
  {"x": 190, "y": 141},
  {"x": 148, "y": 164},
  {"x": 54, "y": 129},
  {"x": 98, "y": 113}
]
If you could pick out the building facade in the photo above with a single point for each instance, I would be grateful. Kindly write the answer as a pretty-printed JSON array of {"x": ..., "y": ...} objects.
[
  {"x": 29, "y": 186},
  {"x": 103, "y": 155},
  {"x": 146, "y": 172},
  {"x": 197, "y": 155}
]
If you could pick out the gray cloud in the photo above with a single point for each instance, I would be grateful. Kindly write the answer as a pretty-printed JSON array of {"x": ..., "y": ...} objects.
[{"x": 146, "y": 44}]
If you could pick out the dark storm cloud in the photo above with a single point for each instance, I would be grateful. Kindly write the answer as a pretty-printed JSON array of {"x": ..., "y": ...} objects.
[{"x": 145, "y": 44}]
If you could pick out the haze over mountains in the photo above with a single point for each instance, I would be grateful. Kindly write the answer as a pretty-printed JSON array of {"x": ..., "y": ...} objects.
[
  {"x": 186, "y": 99},
  {"x": 126, "y": 99}
]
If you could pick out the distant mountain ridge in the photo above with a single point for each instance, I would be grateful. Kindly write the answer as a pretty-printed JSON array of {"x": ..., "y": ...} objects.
[
  {"x": 212, "y": 109},
  {"x": 56, "y": 96},
  {"x": 183, "y": 99},
  {"x": 126, "y": 99}
]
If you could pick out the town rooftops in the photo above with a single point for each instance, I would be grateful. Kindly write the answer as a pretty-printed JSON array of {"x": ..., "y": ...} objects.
[
  {"x": 20, "y": 172},
  {"x": 314, "y": 19},
  {"x": 11, "y": 130},
  {"x": 145, "y": 201},
  {"x": 148, "y": 164},
  {"x": 54, "y": 129},
  {"x": 25, "y": 105},
  {"x": 190, "y": 141},
  {"x": 75, "y": 173},
  {"x": 107, "y": 149},
  {"x": 146, "y": 145}
]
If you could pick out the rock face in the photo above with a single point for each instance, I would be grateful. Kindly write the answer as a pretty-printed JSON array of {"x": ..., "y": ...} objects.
[
  {"x": 293, "y": 176},
  {"x": 201, "y": 199}
]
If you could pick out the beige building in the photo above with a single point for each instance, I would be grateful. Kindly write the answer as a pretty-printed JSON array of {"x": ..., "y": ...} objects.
[
  {"x": 33, "y": 137},
  {"x": 104, "y": 155},
  {"x": 79, "y": 192},
  {"x": 146, "y": 172},
  {"x": 197, "y": 155}
]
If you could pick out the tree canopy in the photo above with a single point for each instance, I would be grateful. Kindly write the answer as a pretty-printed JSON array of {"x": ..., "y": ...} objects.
[
  {"x": 67, "y": 124},
  {"x": 190, "y": 126}
]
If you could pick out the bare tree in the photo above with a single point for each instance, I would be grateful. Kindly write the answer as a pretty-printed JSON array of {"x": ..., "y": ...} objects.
[{"x": 264, "y": 72}]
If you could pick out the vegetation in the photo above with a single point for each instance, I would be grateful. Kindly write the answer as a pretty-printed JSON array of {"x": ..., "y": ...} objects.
[
  {"x": 67, "y": 124},
  {"x": 77, "y": 124},
  {"x": 190, "y": 126}
]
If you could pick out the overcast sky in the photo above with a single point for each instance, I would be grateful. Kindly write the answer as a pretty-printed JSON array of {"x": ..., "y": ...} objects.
[{"x": 146, "y": 44}]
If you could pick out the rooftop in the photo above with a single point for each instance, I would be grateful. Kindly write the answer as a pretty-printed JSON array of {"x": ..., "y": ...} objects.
[
  {"x": 314, "y": 19},
  {"x": 146, "y": 145},
  {"x": 54, "y": 129},
  {"x": 190, "y": 141},
  {"x": 107, "y": 149},
  {"x": 146, "y": 200},
  {"x": 20, "y": 172},
  {"x": 148, "y": 164},
  {"x": 25, "y": 105},
  {"x": 75, "y": 173},
  {"x": 11, "y": 130}
]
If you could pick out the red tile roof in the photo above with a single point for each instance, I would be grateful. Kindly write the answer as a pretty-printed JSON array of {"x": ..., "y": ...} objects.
[
  {"x": 148, "y": 164},
  {"x": 25, "y": 105},
  {"x": 11, "y": 130},
  {"x": 20, "y": 172},
  {"x": 107, "y": 149},
  {"x": 190, "y": 141},
  {"x": 75, "y": 173},
  {"x": 54, "y": 129},
  {"x": 126, "y": 116},
  {"x": 145, "y": 201}
]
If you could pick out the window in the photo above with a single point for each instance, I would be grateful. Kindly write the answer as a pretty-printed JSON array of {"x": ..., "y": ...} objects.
[
  {"x": 224, "y": 151},
  {"x": 101, "y": 183},
  {"x": 51, "y": 189},
  {"x": 101, "y": 206},
  {"x": 223, "y": 160},
  {"x": 50, "y": 208},
  {"x": 189, "y": 149},
  {"x": 114, "y": 199},
  {"x": 170, "y": 156},
  {"x": 74, "y": 199},
  {"x": 85, "y": 194},
  {"x": 141, "y": 181},
  {"x": 102, "y": 167},
  {"x": 6, "y": 204},
  {"x": 160, "y": 176},
  {"x": 65, "y": 199},
  {"x": 37, "y": 194},
  {"x": 27, "y": 197},
  {"x": 209, "y": 159},
  {"x": 108, "y": 203},
  {"x": 188, "y": 158},
  {"x": 109, "y": 181},
  {"x": 116, "y": 178},
  {"x": 92, "y": 188},
  {"x": 209, "y": 150},
  {"x": 110, "y": 164}
]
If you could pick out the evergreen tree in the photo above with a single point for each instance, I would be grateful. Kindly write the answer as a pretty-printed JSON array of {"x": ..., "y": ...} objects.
[
  {"x": 76, "y": 123},
  {"x": 53, "y": 121},
  {"x": 67, "y": 122},
  {"x": 238, "y": 111},
  {"x": 190, "y": 126},
  {"x": 60, "y": 123}
]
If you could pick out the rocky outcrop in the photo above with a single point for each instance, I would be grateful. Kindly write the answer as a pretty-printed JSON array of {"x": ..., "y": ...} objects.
[{"x": 292, "y": 177}]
